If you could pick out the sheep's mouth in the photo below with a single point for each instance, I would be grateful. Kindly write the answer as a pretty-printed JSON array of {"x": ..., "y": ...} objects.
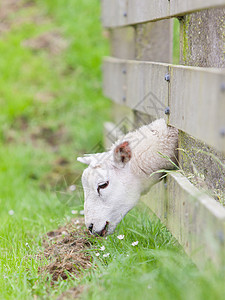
[{"x": 105, "y": 229}]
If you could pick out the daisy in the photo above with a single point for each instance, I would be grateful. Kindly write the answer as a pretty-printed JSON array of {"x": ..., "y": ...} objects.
[
  {"x": 72, "y": 188},
  {"x": 134, "y": 243},
  {"x": 120, "y": 237},
  {"x": 106, "y": 255}
]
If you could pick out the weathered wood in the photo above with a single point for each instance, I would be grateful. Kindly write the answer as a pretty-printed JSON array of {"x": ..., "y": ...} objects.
[
  {"x": 139, "y": 85},
  {"x": 154, "y": 41},
  {"x": 202, "y": 39},
  {"x": 141, "y": 119},
  {"x": 122, "y": 41},
  {"x": 115, "y": 80},
  {"x": 122, "y": 12},
  {"x": 195, "y": 219},
  {"x": 181, "y": 7},
  {"x": 195, "y": 95},
  {"x": 123, "y": 116},
  {"x": 203, "y": 165},
  {"x": 127, "y": 12},
  {"x": 111, "y": 134},
  {"x": 197, "y": 102},
  {"x": 156, "y": 200},
  {"x": 150, "y": 42}
]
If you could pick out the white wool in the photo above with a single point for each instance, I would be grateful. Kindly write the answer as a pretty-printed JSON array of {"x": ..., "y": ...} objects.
[
  {"x": 114, "y": 180},
  {"x": 148, "y": 145}
]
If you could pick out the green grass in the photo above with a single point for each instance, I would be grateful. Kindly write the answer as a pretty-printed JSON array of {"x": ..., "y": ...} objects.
[{"x": 75, "y": 110}]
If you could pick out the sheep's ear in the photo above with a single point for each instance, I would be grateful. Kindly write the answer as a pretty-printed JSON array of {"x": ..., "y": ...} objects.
[
  {"x": 94, "y": 159},
  {"x": 85, "y": 160},
  {"x": 122, "y": 153}
]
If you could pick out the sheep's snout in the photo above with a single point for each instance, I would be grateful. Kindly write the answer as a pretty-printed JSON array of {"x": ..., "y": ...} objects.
[{"x": 102, "y": 232}]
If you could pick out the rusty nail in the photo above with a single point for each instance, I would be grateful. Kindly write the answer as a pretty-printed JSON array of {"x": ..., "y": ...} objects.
[
  {"x": 167, "y": 77},
  {"x": 167, "y": 110},
  {"x": 125, "y": 14}
]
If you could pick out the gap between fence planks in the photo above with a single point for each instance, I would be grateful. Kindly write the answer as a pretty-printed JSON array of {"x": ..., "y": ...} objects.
[
  {"x": 128, "y": 12},
  {"x": 193, "y": 95}
]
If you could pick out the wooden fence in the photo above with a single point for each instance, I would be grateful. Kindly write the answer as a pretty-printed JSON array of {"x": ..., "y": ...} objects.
[{"x": 144, "y": 85}]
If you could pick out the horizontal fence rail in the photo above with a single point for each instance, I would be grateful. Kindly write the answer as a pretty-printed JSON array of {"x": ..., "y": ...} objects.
[
  {"x": 188, "y": 96},
  {"x": 195, "y": 219},
  {"x": 117, "y": 13}
]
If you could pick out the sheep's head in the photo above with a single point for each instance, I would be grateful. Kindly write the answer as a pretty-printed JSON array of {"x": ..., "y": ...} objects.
[
  {"x": 110, "y": 189},
  {"x": 114, "y": 180}
]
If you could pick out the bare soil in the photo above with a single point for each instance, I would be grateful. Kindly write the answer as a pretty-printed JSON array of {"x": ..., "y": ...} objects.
[
  {"x": 51, "y": 41},
  {"x": 66, "y": 251},
  {"x": 73, "y": 293}
]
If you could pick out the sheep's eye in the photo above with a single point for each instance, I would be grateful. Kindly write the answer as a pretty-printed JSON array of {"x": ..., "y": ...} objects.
[{"x": 102, "y": 186}]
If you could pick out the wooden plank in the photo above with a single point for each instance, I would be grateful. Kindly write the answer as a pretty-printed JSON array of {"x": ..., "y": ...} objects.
[
  {"x": 123, "y": 12},
  {"x": 202, "y": 39},
  {"x": 197, "y": 102},
  {"x": 196, "y": 220},
  {"x": 127, "y": 12},
  {"x": 156, "y": 200},
  {"x": 114, "y": 79},
  {"x": 203, "y": 165},
  {"x": 196, "y": 96},
  {"x": 139, "y": 85},
  {"x": 181, "y": 7},
  {"x": 122, "y": 42},
  {"x": 154, "y": 41},
  {"x": 111, "y": 134}
]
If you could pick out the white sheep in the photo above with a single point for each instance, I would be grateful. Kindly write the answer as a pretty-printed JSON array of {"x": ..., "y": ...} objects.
[{"x": 115, "y": 179}]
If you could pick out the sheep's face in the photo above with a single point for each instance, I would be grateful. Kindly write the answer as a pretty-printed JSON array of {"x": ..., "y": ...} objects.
[{"x": 110, "y": 189}]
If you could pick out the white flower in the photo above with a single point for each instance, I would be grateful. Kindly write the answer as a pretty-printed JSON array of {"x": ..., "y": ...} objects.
[
  {"x": 72, "y": 187},
  {"x": 76, "y": 222},
  {"x": 97, "y": 254},
  {"x": 106, "y": 255},
  {"x": 134, "y": 243},
  {"x": 11, "y": 212},
  {"x": 74, "y": 212},
  {"x": 64, "y": 233},
  {"x": 81, "y": 212},
  {"x": 102, "y": 248},
  {"x": 120, "y": 237}
]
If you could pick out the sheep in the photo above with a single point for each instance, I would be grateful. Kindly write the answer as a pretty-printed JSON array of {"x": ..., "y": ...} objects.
[{"x": 115, "y": 180}]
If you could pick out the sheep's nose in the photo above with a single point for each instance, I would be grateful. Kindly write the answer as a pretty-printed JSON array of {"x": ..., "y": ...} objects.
[{"x": 90, "y": 227}]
